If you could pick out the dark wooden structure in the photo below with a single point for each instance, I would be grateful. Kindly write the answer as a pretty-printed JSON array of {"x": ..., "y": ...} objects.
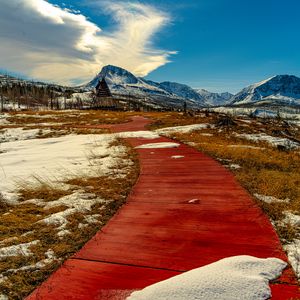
[
  {"x": 102, "y": 98},
  {"x": 102, "y": 89}
]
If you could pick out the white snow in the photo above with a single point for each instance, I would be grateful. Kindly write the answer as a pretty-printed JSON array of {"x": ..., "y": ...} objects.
[
  {"x": 264, "y": 113},
  {"x": 158, "y": 145},
  {"x": 63, "y": 233},
  {"x": 59, "y": 219},
  {"x": 293, "y": 248},
  {"x": 138, "y": 134},
  {"x": 255, "y": 85},
  {"x": 274, "y": 141},
  {"x": 293, "y": 252},
  {"x": 16, "y": 250},
  {"x": 242, "y": 111},
  {"x": 77, "y": 202},
  {"x": 50, "y": 257},
  {"x": 3, "y": 120},
  {"x": 37, "y": 116},
  {"x": 91, "y": 219},
  {"x": 234, "y": 278},
  {"x": 18, "y": 134},
  {"x": 57, "y": 159},
  {"x": 291, "y": 219},
  {"x": 271, "y": 199},
  {"x": 182, "y": 129},
  {"x": 234, "y": 166}
]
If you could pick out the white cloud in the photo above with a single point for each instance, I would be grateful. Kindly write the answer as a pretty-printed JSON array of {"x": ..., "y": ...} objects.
[{"x": 56, "y": 44}]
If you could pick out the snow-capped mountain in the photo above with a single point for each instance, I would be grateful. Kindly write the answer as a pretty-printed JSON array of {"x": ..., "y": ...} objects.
[
  {"x": 115, "y": 76},
  {"x": 215, "y": 99},
  {"x": 123, "y": 82},
  {"x": 280, "y": 89},
  {"x": 182, "y": 90}
]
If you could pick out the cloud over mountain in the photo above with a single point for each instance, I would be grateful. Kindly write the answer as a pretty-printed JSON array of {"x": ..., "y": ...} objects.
[{"x": 51, "y": 43}]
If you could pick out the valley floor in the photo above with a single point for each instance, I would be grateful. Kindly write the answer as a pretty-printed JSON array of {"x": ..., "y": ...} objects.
[{"x": 62, "y": 177}]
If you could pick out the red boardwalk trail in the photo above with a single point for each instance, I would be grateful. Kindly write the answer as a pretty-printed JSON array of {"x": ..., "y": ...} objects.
[{"x": 160, "y": 232}]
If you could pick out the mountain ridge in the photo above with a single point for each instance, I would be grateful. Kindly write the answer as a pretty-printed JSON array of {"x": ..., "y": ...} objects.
[
  {"x": 123, "y": 81},
  {"x": 279, "y": 90},
  {"x": 276, "y": 89}
]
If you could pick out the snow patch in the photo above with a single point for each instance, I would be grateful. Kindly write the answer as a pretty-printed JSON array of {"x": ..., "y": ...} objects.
[
  {"x": 271, "y": 199},
  {"x": 274, "y": 141},
  {"x": 91, "y": 219},
  {"x": 158, "y": 145},
  {"x": 19, "y": 134},
  {"x": 182, "y": 129},
  {"x": 4, "y": 121},
  {"x": 293, "y": 248},
  {"x": 57, "y": 159},
  {"x": 50, "y": 257},
  {"x": 240, "y": 277},
  {"x": 234, "y": 166},
  {"x": 293, "y": 252},
  {"x": 63, "y": 233},
  {"x": 291, "y": 219},
  {"x": 76, "y": 202},
  {"x": 138, "y": 134},
  {"x": 16, "y": 250}
]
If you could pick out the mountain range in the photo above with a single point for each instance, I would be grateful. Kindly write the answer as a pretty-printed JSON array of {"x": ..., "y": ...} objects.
[
  {"x": 280, "y": 90},
  {"x": 277, "y": 90},
  {"x": 123, "y": 82}
]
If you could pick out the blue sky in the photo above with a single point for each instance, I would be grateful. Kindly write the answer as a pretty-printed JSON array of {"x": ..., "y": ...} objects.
[{"x": 220, "y": 45}]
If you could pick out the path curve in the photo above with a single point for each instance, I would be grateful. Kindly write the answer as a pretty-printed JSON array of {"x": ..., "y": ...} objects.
[{"x": 160, "y": 232}]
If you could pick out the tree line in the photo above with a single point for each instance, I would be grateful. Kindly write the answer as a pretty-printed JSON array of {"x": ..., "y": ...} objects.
[{"x": 27, "y": 95}]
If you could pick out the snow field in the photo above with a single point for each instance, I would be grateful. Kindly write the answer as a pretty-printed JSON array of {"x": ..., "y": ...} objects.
[{"x": 56, "y": 160}]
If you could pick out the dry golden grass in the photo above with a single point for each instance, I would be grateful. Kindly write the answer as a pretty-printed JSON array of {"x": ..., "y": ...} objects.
[
  {"x": 43, "y": 191},
  {"x": 20, "y": 224},
  {"x": 169, "y": 119},
  {"x": 57, "y": 131},
  {"x": 88, "y": 117}
]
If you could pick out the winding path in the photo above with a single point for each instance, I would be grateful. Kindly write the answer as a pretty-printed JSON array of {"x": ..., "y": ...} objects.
[{"x": 160, "y": 232}]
